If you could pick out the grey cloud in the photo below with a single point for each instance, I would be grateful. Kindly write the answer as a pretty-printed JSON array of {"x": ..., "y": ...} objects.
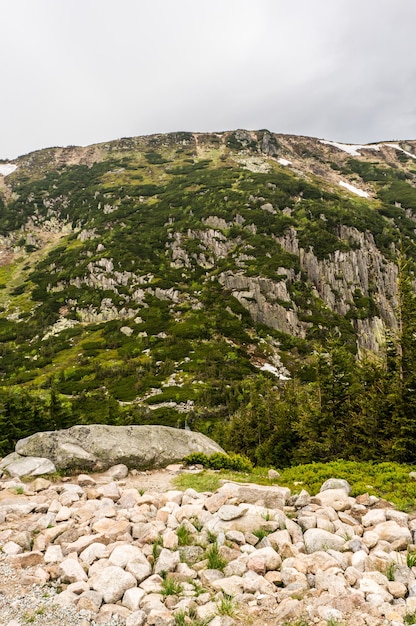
[{"x": 83, "y": 71}]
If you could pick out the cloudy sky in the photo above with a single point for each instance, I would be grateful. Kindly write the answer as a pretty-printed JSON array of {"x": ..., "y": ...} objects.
[{"x": 85, "y": 71}]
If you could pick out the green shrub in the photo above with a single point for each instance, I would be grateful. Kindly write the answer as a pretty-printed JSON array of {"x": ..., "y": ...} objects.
[{"x": 219, "y": 460}]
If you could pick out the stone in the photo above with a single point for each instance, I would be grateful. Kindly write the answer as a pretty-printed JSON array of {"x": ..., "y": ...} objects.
[
  {"x": 337, "y": 499},
  {"x": 117, "y": 472},
  {"x": 167, "y": 561},
  {"x": 271, "y": 558},
  {"x": 316, "y": 539},
  {"x": 137, "y": 618},
  {"x": 391, "y": 531},
  {"x": 152, "y": 584},
  {"x": 373, "y": 517},
  {"x": 70, "y": 571},
  {"x": 272, "y": 474},
  {"x": 231, "y": 585},
  {"x": 18, "y": 465},
  {"x": 214, "y": 502},
  {"x": 111, "y": 528},
  {"x": 336, "y": 483},
  {"x": 110, "y": 490},
  {"x": 93, "y": 552},
  {"x": 112, "y": 582},
  {"x": 90, "y": 601},
  {"x": 122, "y": 555},
  {"x": 84, "y": 480},
  {"x": 132, "y": 598},
  {"x": 53, "y": 554},
  {"x": 229, "y": 512},
  {"x": 27, "y": 559},
  {"x": 101, "y": 446},
  {"x": 140, "y": 568},
  {"x": 40, "y": 484},
  {"x": 272, "y": 497}
]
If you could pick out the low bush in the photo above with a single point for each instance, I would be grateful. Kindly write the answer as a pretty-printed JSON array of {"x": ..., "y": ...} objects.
[{"x": 219, "y": 460}]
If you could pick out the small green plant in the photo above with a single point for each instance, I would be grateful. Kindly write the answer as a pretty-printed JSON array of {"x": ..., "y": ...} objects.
[
  {"x": 260, "y": 533},
  {"x": 226, "y": 606},
  {"x": 198, "y": 588},
  {"x": 391, "y": 570},
  {"x": 171, "y": 587},
  {"x": 410, "y": 618},
  {"x": 196, "y": 523},
  {"x": 19, "y": 490},
  {"x": 212, "y": 537},
  {"x": 156, "y": 548},
  {"x": 141, "y": 491},
  {"x": 411, "y": 558},
  {"x": 267, "y": 516},
  {"x": 215, "y": 560},
  {"x": 184, "y": 536},
  {"x": 180, "y": 618}
]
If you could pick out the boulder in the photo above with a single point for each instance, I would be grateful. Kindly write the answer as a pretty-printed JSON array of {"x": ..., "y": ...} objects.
[
  {"x": 26, "y": 465},
  {"x": 99, "y": 446},
  {"x": 270, "y": 497}
]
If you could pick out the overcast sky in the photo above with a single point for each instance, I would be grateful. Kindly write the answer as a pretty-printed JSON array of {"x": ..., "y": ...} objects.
[{"x": 85, "y": 71}]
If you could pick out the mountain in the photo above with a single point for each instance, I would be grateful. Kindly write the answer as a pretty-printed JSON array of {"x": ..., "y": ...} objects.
[{"x": 156, "y": 279}]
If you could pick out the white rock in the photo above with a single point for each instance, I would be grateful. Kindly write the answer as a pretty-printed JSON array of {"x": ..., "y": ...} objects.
[
  {"x": 93, "y": 552},
  {"x": 335, "y": 498},
  {"x": 336, "y": 483},
  {"x": 229, "y": 512},
  {"x": 12, "y": 548},
  {"x": 316, "y": 539},
  {"x": 373, "y": 517},
  {"x": 70, "y": 571},
  {"x": 167, "y": 561},
  {"x": 138, "y": 618},
  {"x": 271, "y": 558},
  {"x": 121, "y": 555},
  {"x": 140, "y": 568},
  {"x": 112, "y": 582},
  {"x": 53, "y": 554},
  {"x": 391, "y": 531},
  {"x": 133, "y": 597}
]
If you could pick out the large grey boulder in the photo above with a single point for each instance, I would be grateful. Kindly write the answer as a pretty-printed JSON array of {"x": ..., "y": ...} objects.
[{"x": 98, "y": 446}]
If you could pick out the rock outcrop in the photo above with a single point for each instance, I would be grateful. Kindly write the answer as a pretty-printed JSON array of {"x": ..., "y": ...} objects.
[
  {"x": 98, "y": 446},
  {"x": 113, "y": 552}
]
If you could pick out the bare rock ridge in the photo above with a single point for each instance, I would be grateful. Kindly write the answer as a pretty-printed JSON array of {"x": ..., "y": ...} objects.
[
  {"x": 98, "y": 550},
  {"x": 98, "y": 447}
]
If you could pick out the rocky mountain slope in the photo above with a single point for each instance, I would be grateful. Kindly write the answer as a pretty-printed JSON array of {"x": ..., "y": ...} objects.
[{"x": 151, "y": 275}]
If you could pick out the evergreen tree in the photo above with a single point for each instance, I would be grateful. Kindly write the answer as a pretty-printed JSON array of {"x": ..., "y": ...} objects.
[{"x": 404, "y": 416}]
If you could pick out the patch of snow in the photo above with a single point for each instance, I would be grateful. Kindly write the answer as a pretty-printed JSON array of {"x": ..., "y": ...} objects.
[
  {"x": 7, "y": 168},
  {"x": 350, "y": 148},
  {"x": 273, "y": 370},
  {"x": 358, "y": 192},
  {"x": 397, "y": 147},
  {"x": 284, "y": 161}
]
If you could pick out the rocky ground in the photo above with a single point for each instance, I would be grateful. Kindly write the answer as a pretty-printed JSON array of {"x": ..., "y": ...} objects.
[{"x": 128, "y": 549}]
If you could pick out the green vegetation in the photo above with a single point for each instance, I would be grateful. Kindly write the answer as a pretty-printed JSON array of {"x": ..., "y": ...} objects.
[
  {"x": 389, "y": 481},
  {"x": 215, "y": 560},
  {"x": 171, "y": 587},
  {"x": 218, "y": 460},
  {"x": 170, "y": 256}
]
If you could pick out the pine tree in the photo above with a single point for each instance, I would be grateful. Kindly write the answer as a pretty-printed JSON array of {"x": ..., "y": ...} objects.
[{"x": 404, "y": 390}]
